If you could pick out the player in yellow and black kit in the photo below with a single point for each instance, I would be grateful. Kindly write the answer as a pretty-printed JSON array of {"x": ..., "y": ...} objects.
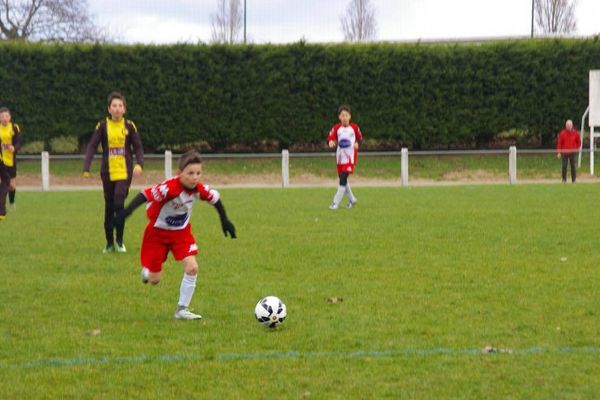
[
  {"x": 120, "y": 140},
  {"x": 10, "y": 139}
]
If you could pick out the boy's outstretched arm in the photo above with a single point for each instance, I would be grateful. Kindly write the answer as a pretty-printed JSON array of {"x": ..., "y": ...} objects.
[
  {"x": 226, "y": 224},
  {"x": 133, "y": 204}
]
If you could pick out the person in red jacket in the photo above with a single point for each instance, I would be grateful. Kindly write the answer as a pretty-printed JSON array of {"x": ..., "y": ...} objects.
[{"x": 568, "y": 145}]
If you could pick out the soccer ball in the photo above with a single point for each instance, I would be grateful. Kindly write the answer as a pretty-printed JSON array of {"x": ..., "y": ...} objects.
[{"x": 270, "y": 311}]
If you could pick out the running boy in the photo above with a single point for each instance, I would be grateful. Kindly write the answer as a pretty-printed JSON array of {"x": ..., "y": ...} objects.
[
  {"x": 346, "y": 136},
  {"x": 169, "y": 209},
  {"x": 10, "y": 137},
  {"x": 120, "y": 139}
]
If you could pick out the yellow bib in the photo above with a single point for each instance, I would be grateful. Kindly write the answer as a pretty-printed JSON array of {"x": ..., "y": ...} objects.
[
  {"x": 116, "y": 134},
  {"x": 6, "y": 135}
]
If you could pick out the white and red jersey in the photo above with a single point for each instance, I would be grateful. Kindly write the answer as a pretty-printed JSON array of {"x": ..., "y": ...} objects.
[
  {"x": 345, "y": 136},
  {"x": 170, "y": 203}
]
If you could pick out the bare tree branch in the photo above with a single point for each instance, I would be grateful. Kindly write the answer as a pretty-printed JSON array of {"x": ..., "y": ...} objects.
[
  {"x": 556, "y": 16},
  {"x": 49, "y": 20},
  {"x": 33, "y": 9},
  {"x": 359, "y": 23},
  {"x": 227, "y": 22}
]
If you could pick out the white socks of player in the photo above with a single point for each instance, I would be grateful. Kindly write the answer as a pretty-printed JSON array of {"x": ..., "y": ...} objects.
[
  {"x": 338, "y": 196},
  {"x": 350, "y": 195},
  {"x": 186, "y": 291}
]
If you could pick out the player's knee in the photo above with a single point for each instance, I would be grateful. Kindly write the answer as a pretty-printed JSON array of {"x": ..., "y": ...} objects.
[
  {"x": 191, "y": 266},
  {"x": 192, "y": 270},
  {"x": 119, "y": 203},
  {"x": 153, "y": 278},
  {"x": 109, "y": 207}
]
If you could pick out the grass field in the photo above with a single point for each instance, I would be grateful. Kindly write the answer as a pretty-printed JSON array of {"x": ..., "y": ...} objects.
[
  {"x": 489, "y": 167},
  {"x": 429, "y": 277}
]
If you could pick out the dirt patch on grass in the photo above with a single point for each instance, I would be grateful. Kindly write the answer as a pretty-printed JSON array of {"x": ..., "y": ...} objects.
[
  {"x": 150, "y": 178},
  {"x": 478, "y": 175},
  {"x": 153, "y": 177}
]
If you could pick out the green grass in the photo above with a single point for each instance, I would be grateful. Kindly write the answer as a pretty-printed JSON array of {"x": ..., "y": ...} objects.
[
  {"x": 387, "y": 168},
  {"x": 428, "y": 277}
]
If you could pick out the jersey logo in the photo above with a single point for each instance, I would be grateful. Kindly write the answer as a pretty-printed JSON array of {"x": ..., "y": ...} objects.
[
  {"x": 116, "y": 151},
  {"x": 344, "y": 143},
  {"x": 176, "y": 220}
]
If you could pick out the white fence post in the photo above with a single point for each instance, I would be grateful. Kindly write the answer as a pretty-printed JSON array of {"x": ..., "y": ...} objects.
[
  {"x": 592, "y": 149},
  {"x": 168, "y": 164},
  {"x": 285, "y": 168},
  {"x": 45, "y": 171},
  {"x": 404, "y": 166},
  {"x": 512, "y": 165}
]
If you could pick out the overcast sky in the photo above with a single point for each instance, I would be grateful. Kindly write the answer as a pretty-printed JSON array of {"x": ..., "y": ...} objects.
[{"x": 284, "y": 21}]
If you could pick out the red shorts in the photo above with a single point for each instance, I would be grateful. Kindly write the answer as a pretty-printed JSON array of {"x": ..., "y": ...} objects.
[
  {"x": 349, "y": 168},
  {"x": 157, "y": 243}
]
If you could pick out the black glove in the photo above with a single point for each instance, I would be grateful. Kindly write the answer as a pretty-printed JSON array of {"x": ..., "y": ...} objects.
[
  {"x": 228, "y": 227},
  {"x": 226, "y": 224}
]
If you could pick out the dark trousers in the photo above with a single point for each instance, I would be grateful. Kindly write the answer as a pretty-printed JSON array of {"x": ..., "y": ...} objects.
[
  {"x": 568, "y": 158},
  {"x": 115, "y": 193},
  {"x": 4, "y": 183}
]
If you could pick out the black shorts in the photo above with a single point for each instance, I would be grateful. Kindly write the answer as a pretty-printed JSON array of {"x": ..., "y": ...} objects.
[
  {"x": 12, "y": 171},
  {"x": 4, "y": 174},
  {"x": 113, "y": 189}
]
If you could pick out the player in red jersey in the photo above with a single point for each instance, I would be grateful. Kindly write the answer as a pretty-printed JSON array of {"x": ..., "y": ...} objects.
[
  {"x": 169, "y": 209},
  {"x": 346, "y": 136}
]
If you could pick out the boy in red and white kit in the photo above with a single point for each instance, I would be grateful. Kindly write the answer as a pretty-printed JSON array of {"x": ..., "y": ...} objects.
[
  {"x": 169, "y": 209},
  {"x": 346, "y": 136}
]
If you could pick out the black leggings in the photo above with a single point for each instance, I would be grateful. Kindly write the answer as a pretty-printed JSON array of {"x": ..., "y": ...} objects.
[
  {"x": 4, "y": 182},
  {"x": 114, "y": 202},
  {"x": 344, "y": 178}
]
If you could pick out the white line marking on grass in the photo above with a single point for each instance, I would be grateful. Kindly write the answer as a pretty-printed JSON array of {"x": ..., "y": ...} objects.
[{"x": 290, "y": 355}]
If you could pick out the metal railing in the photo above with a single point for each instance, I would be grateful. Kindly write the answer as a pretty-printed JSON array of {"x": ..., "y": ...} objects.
[{"x": 403, "y": 158}]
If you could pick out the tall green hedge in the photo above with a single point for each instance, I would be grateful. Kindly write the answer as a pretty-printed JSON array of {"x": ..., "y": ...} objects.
[{"x": 420, "y": 95}]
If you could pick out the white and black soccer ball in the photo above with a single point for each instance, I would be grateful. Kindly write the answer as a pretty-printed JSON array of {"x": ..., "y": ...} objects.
[{"x": 270, "y": 311}]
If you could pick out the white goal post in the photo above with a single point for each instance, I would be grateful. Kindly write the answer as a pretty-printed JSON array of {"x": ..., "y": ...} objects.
[{"x": 594, "y": 113}]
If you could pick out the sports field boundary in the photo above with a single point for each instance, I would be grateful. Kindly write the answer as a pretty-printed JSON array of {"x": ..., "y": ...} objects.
[
  {"x": 366, "y": 184},
  {"x": 486, "y": 351}
]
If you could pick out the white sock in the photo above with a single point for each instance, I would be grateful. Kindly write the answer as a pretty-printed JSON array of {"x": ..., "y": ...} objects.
[
  {"x": 339, "y": 195},
  {"x": 186, "y": 291},
  {"x": 350, "y": 194}
]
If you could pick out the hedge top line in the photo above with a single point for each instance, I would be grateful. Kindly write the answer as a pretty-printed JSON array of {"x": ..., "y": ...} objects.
[
  {"x": 265, "y": 97},
  {"x": 469, "y": 42}
]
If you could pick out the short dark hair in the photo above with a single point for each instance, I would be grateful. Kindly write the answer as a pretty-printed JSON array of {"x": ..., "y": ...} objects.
[
  {"x": 344, "y": 107},
  {"x": 189, "y": 157},
  {"x": 116, "y": 95},
  {"x": 4, "y": 109}
]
